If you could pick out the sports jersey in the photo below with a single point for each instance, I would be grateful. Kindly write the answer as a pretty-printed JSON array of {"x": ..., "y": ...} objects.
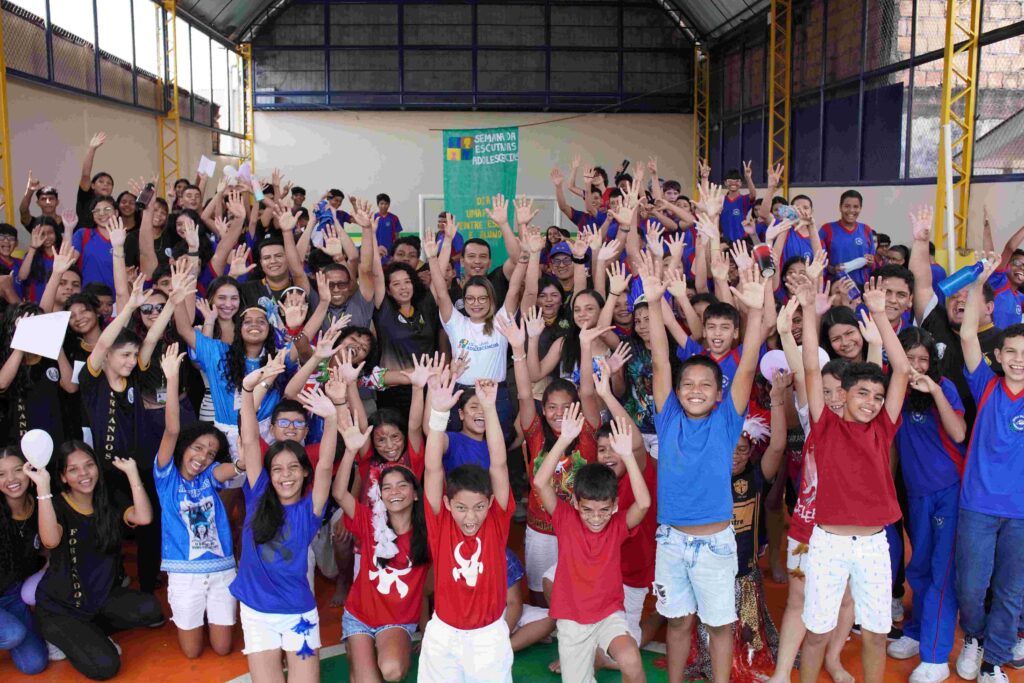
[
  {"x": 728, "y": 362},
  {"x": 795, "y": 244},
  {"x": 388, "y": 230},
  {"x": 931, "y": 461},
  {"x": 1008, "y": 300},
  {"x": 96, "y": 256},
  {"x": 845, "y": 245},
  {"x": 733, "y": 212}
]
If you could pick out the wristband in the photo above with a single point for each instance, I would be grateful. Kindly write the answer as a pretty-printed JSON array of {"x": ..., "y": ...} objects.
[
  {"x": 438, "y": 420},
  {"x": 343, "y": 403},
  {"x": 248, "y": 391},
  {"x": 192, "y": 253},
  {"x": 516, "y": 359},
  {"x": 579, "y": 261},
  {"x": 617, "y": 293},
  {"x": 48, "y": 496}
]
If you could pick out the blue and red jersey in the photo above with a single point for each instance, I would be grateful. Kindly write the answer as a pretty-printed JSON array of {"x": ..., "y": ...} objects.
[
  {"x": 845, "y": 245},
  {"x": 930, "y": 459},
  {"x": 1009, "y": 302},
  {"x": 388, "y": 230},
  {"x": 733, "y": 213}
]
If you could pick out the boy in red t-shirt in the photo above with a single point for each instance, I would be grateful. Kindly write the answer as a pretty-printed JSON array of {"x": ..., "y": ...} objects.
[
  {"x": 468, "y": 519},
  {"x": 587, "y": 598},
  {"x": 856, "y": 496}
]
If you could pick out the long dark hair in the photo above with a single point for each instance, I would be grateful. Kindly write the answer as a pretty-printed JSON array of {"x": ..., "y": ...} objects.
[
  {"x": 372, "y": 356},
  {"x": 839, "y": 315},
  {"x": 194, "y": 431},
  {"x": 568, "y": 387},
  {"x": 571, "y": 344},
  {"x": 22, "y": 380},
  {"x": 268, "y": 517},
  {"x": 912, "y": 337},
  {"x": 37, "y": 271},
  {"x": 234, "y": 368},
  {"x": 106, "y": 520},
  {"x": 135, "y": 211},
  {"x": 418, "y": 290},
  {"x": 387, "y": 416},
  {"x": 418, "y": 550},
  {"x": 6, "y": 517}
]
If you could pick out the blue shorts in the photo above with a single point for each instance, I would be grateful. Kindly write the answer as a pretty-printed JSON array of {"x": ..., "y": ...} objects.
[
  {"x": 696, "y": 574},
  {"x": 350, "y": 626}
]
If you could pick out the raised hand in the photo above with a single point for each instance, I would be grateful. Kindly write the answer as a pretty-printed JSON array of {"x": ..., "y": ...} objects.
[
  {"x": 97, "y": 140},
  {"x": 556, "y": 177},
  {"x": 712, "y": 199},
  {"x": 349, "y": 371},
  {"x": 740, "y": 255},
  {"x": 498, "y": 210},
  {"x": 784, "y": 324},
  {"x": 116, "y": 231},
  {"x": 618, "y": 360},
  {"x": 534, "y": 322},
  {"x": 676, "y": 245},
  {"x": 37, "y": 238},
  {"x": 618, "y": 278},
  {"x": 422, "y": 369},
  {"x": 580, "y": 245},
  {"x": 33, "y": 183},
  {"x": 535, "y": 241},
  {"x": 525, "y": 213},
  {"x": 429, "y": 243},
  {"x": 70, "y": 221},
  {"x": 126, "y": 465},
  {"x": 923, "y": 383},
  {"x": 588, "y": 335},
  {"x": 675, "y": 283},
  {"x": 708, "y": 227},
  {"x": 603, "y": 378},
  {"x": 66, "y": 258},
  {"x": 921, "y": 222},
  {"x": 748, "y": 172},
  {"x": 572, "y": 422},
  {"x": 325, "y": 345},
  {"x": 649, "y": 279},
  {"x": 487, "y": 391},
  {"x": 874, "y": 296},
  {"x": 316, "y": 402},
  {"x": 621, "y": 439},
  {"x": 236, "y": 207},
  {"x": 818, "y": 265},
  {"x": 775, "y": 175},
  {"x": 781, "y": 383},
  {"x": 332, "y": 242},
  {"x": 39, "y": 476},
  {"x": 139, "y": 294},
  {"x": 443, "y": 393},
  {"x": 458, "y": 367},
  {"x": 239, "y": 264},
  {"x": 751, "y": 291},
  {"x": 204, "y": 308},
  {"x": 293, "y": 309},
  {"x": 184, "y": 287},
  {"x": 719, "y": 266},
  {"x": 349, "y": 431},
  {"x": 777, "y": 228},
  {"x": 869, "y": 328},
  {"x": 170, "y": 361},
  {"x": 654, "y": 233},
  {"x": 514, "y": 332},
  {"x": 609, "y": 251}
]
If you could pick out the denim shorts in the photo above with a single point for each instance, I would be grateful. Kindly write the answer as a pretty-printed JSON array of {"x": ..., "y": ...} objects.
[
  {"x": 350, "y": 626},
  {"x": 696, "y": 574}
]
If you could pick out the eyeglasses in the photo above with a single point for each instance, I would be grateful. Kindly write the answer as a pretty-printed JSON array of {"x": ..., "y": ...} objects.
[
  {"x": 285, "y": 423},
  {"x": 471, "y": 300},
  {"x": 103, "y": 210},
  {"x": 8, "y": 238},
  {"x": 337, "y": 285},
  {"x": 561, "y": 260},
  {"x": 150, "y": 309}
]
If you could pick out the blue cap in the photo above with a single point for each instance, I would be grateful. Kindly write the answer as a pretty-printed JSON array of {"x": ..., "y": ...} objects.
[{"x": 560, "y": 248}]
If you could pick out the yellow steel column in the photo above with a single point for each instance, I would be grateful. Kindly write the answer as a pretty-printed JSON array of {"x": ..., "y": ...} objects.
[
  {"x": 249, "y": 145},
  {"x": 701, "y": 83},
  {"x": 779, "y": 56},
  {"x": 168, "y": 125},
  {"x": 6, "y": 191},
  {"x": 959, "y": 92}
]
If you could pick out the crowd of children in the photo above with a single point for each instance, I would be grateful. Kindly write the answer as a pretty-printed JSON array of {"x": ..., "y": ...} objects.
[{"x": 252, "y": 397}]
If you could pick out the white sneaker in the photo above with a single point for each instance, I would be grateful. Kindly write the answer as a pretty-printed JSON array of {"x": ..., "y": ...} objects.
[
  {"x": 54, "y": 653},
  {"x": 927, "y": 672},
  {"x": 904, "y": 648},
  {"x": 997, "y": 676},
  {"x": 897, "y": 609},
  {"x": 1017, "y": 661},
  {"x": 968, "y": 662}
]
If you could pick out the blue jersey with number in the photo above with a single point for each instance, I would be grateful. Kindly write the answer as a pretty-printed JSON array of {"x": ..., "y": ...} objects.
[
  {"x": 845, "y": 245},
  {"x": 733, "y": 213}
]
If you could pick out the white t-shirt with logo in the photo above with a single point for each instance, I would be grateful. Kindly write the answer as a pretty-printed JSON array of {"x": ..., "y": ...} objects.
[{"x": 487, "y": 352}]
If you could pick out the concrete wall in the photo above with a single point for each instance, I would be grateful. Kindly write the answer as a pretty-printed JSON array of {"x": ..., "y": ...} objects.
[
  {"x": 398, "y": 153},
  {"x": 50, "y": 132}
]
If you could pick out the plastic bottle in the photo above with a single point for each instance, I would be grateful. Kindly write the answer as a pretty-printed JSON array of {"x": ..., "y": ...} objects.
[
  {"x": 962, "y": 278},
  {"x": 763, "y": 257}
]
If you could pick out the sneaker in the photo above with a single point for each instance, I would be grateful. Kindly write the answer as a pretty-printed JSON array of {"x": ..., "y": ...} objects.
[
  {"x": 904, "y": 648},
  {"x": 997, "y": 676},
  {"x": 1018, "y": 654},
  {"x": 897, "y": 609},
  {"x": 116, "y": 646},
  {"x": 895, "y": 633},
  {"x": 927, "y": 672},
  {"x": 968, "y": 662},
  {"x": 54, "y": 653}
]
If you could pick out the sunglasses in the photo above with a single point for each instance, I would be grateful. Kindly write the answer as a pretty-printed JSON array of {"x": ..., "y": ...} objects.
[
  {"x": 285, "y": 423},
  {"x": 150, "y": 309}
]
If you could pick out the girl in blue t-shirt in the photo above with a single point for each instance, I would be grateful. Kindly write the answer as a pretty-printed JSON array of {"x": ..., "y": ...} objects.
[
  {"x": 931, "y": 447},
  {"x": 283, "y": 514},
  {"x": 197, "y": 553}
]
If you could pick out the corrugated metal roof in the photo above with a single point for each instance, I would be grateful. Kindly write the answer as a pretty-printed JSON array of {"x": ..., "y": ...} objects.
[{"x": 713, "y": 18}]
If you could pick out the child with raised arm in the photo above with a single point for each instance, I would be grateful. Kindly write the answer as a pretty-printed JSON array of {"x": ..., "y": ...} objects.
[
  {"x": 468, "y": 519},
  {"x": 587, "y": 598},
  {"x": 990, "y": 533},
  {"x": 698, "y": 427},
  {"x": 384, "y": 605},
  {"x": 856, "y": 497}
]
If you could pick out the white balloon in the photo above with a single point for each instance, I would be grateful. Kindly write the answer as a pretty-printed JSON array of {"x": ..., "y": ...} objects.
[{"x": 37, "y": 447}]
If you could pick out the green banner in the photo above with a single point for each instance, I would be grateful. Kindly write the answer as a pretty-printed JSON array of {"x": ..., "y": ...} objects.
[{"x": 480, "y": 163}]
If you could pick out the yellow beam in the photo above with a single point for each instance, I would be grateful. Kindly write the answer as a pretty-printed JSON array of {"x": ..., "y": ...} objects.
[
  {"x": 779, "y": 60},
  {"x": 959, "y": 95},
  {"x": 701, "y": 86},
  {"x": 249, "y": 144},
  {"x": 6, "y": 191},
  {"x": 169, "y": 125}
]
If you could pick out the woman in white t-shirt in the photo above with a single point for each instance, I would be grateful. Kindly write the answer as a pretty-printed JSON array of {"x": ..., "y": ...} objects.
[{"x": 472, "y": 332}]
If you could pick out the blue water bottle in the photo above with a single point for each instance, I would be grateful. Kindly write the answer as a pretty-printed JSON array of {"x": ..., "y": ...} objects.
[{"x": 961, "y": 278}]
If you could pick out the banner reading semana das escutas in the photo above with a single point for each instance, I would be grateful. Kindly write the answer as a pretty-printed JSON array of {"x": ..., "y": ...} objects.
[{"x": 478, "y": 164}]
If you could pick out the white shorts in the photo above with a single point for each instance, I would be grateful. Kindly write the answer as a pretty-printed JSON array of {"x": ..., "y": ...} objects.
[
  {"x": 191, "y": 596},
  {"x": 864, "y": 562},
  {"x": 578, "y": 642},
  {"x": 796, "y": 557},
  {"x": 480, "y": 655},
  {"x": 634, "y": 606},
  {"x": 531, "y": 613},
  {"x": 264, "y": 631},
  {"x": 541, "y": 555}
]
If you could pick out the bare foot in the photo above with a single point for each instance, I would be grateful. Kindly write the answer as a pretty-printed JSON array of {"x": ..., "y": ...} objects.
[
  {"x": 555, "y": 667},
  {"x": 839, "y": 674},
  {"x": 779, "y": 574}
]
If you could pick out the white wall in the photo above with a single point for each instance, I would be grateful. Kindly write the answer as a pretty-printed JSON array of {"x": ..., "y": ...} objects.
[
  {"x": 50, "y": 132},
  {"x": 397, "y": 152}
]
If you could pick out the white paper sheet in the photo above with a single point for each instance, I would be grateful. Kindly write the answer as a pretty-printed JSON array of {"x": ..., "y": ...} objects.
[
  {"x": 41, "y": 334},
  {"x": 207, "y": 166}
]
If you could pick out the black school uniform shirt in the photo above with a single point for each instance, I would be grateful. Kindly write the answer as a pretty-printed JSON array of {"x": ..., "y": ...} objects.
[
  {"x": 746, "y": 515},
  {"x": 79, "y": 579},
  {"x": 115, "y": 417},
  {"x": 951, "y": 355},
  {"x": 37, "y": 406},
  {"x": 83, "y": 204},
  {"x": 402, "y": 337},
  {"x": 19, "y": 549}
]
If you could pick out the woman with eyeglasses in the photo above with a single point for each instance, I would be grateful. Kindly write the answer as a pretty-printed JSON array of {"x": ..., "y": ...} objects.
[{"x": 93, "y": 243}]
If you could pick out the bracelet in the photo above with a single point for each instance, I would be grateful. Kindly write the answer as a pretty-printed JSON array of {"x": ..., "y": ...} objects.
[
  {"x": 238, "y": 470},
  {"x": 616, "y": 293},
  {"x": 343, "y": 403},
  {"x": 248, "y": 391},
  {"x": 516, "y": 359},
  {"x": 778, "y": 405},
  {"x": 438, "y": 420},
  {"x": 192, "y": 253},
  {"x": 48, "y": 496},
  {"x": 579, "y": 261},
  {"x": 300, "y": 334}
]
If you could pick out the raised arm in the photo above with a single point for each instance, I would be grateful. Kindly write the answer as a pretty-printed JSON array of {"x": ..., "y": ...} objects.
[
  {"x": 487, "y": 390},
  {"x": 443, "y": 397},
  {"x": 516, "y": 335},
  {"x": 25, "y": 270},
  {"x": 604, "y": 391},
  {"x": 748, "y": 176},
  {"x": 170, "y": 364},
  {"x": 557, "y": 179},
  {"x": 791, "y": 350},
  {"x": 899, "y": 366},
  {"x": 286, "y": 221},
  {"x": 62, "y": 263},
  {"x": 85, "y": 182},
  {"x": 572, "y": 426},
  {"x": 354, "y": 441},
  {"x": 811, "y": 362},
  {"x": 318, "y": 404},
  {"x": 438, "y": 263},
  {"x": 920, "y": 261},
  {"x": 248, "y": 423},
  {"x": 141, "y": 511},
  {"x": 98, "y": 356},
  {"x": 972, "y": 317},
  {"x": 621, "y": 442},
  {"x": 654, "y": 289},
  {"x": 50, "y": 531},
  {"x": 751, "y": 295},
  {"x": 588, "y": 392}
]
